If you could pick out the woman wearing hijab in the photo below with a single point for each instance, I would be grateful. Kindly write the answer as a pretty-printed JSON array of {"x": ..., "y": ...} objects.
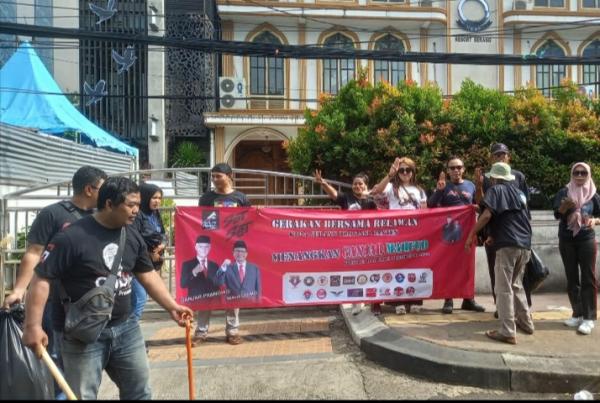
[
  {"x": 150, "y": 226},
  {"x": 575, "y": 206}
]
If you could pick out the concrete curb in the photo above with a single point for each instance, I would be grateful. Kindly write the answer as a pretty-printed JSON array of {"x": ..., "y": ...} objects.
[{"x": 505, "y": 371}]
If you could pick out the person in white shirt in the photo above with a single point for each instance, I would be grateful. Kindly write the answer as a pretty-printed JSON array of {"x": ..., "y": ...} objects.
[{"x": 399, "y": 191}]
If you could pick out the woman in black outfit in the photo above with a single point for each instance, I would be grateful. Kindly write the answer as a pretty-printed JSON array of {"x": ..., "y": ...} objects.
[
  {"x": 149, "y": 224},
  {"x": 576, "y": 205}
]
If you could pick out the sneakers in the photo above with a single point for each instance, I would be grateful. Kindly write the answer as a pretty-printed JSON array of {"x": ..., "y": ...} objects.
[
  {"x": 586, "y": 327},
  {"x": 376, "y": 309},
  {"x": 471, "y": 305},
  {"x": 356, "y": 309},
  {"x": 448, "y": 306},
  {"x": 198, "y": 339},
  {"x": 234, "y": 339},
  {"x": 573, "y": 322},
  {"x": 400, "y": 310},
  {"x": 415, "y": 308}
]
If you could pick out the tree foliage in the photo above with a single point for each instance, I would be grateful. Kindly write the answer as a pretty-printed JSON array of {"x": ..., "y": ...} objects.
[{"x": 366, "y": 126}]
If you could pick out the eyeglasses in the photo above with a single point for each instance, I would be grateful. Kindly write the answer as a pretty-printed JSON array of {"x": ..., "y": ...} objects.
[
  {"x": 456, "y": 168},
  {"x": 580, "y": 173},
  {"x": 94, "y": 187},
  {"x": 405, "y": 170},
  {"x": 500, "y": 154}
]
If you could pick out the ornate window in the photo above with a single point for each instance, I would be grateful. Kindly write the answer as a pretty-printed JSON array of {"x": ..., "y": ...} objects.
[
  {"x": 125, "y": 112},
  {"x": 43, "y": 46},
  {"x": 549, "y": 3},
  {"x": 591, "y": 3},
  {"x": 267, "y": 74},
  {"x": 591, "y": 72},
  {"x": 337, "y": 72},
  {"x": 8, "y": 43},
  {"x": 392, "y": 72},
  {"x": 547, "y": 75}
]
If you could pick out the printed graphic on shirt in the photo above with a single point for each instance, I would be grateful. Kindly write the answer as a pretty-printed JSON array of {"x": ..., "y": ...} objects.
[{"x": 123, "y": 285}]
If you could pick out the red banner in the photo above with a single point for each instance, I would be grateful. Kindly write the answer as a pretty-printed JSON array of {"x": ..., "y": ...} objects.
[{"x": 268, "y": 257}]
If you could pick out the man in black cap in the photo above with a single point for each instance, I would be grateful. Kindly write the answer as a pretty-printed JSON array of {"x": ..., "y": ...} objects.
[
  {"x": 241, "y": 278},
  {"x": 197, "y": 275},
  {"x": 223, "y": 195},
  {"x": 498, "y": 153}
]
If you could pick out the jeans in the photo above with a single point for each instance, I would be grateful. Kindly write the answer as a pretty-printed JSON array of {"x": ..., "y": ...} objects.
[
  {"x": 139, "y": 296},
  {"x": 120, "y": 350},
  {"x": 579, "y": 259}
]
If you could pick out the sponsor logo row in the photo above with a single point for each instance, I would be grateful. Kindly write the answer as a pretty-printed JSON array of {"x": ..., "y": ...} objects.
[
  {"x": 371, "y": 292},
  {"x": 361, "y": 279}
]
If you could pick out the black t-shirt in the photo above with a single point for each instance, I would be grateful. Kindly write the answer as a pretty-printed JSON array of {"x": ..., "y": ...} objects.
[
  {"x": 348, "y": 201},
  {"x": 589, "y": 209},
  {"x": 454, "y": 194},
  {"x": 233, "y": 199},
  {"x": 52, "y": 219},
  {"x": 80, "y": 257},
  {"x": 510, "y": 225}
]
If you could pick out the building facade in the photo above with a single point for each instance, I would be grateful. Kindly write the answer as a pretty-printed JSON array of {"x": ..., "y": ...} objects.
[{"x": 249, "y": 133}]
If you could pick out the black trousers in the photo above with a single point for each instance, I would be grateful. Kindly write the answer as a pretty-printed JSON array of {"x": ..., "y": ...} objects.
[
  {"x": 490, "y": 253},
  {"x": 579, "y": 259}
]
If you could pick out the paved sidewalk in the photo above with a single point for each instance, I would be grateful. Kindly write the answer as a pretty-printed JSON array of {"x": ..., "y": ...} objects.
[{"x": 453, "y": 348}]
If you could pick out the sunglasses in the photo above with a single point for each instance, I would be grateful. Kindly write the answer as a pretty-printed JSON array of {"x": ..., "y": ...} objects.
[
  {"x": 456, "y": 168},
  {"x": 580, "y": 173},
  {"x": 405, "y": 170}
]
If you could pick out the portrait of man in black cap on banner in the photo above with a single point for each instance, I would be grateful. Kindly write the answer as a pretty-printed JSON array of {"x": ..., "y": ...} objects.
[
  {"x": 198, "y": 274},
  {"x": 241, "y": 278}
]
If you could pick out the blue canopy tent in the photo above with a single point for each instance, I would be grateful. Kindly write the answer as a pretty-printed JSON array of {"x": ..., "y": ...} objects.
[{"x": 29, "y": 97}]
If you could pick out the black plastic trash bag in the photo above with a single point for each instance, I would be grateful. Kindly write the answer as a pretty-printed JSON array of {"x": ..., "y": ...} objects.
[
  {"x": 535, "y": 272},
  {"x": 22, "y": 374}
]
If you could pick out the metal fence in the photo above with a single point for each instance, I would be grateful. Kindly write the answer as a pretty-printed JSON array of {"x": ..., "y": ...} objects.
[{"x": 181, "y": 187}]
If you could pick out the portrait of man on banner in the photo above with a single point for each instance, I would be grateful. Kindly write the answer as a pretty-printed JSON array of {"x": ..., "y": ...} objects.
[
  {"x": 240, "y": 277},
  {"x": 198, "y": 275}
]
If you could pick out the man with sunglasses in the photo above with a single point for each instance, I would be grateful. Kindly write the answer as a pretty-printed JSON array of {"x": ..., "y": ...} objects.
[
  {"x": 457, "y": 192},
  {"x": 498, "y": 153}
]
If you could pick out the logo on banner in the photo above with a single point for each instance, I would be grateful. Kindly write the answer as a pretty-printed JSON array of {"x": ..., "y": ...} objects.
[
  {"x": 412, "y": 277},
  {"x": 348, "y": 280},
  {"x": 410, "y": 291},
  {"x": 371, "y": 292},
  {"x": 294, "y": 281},
  {"x": 335, "y": 281},
  {"x": 362, "y": 279},
  {"x": 355, "y": 292},
  {"x": 210, "y": 220},
  {"x": 337, "y": 293},
  {"x": 307, "y": 294},
  {"x": 398, "y": 291},
  {"x": 399, "y": 277},
  {"x": 322, "y": 281},
  {"x": 374, "y": 278},
  {"x": 387, "y": 277},
  {"x": 309, "y": 280},
  {"x": 423, "y": 277},
  {"x": 385, "y": 292},
  {"x": 321, "y": 293}
]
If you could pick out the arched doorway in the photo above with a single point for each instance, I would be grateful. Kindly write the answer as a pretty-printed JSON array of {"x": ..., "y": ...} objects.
[{"x": 264, "y": 154}]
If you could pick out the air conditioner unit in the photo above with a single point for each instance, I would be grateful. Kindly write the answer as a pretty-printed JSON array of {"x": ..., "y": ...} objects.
[
  {"x": 523, "y": 5},
  {"x": 232, "y": 91}
]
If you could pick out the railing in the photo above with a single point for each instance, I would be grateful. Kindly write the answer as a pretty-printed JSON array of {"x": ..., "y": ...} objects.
[{"x": 181, "y": 187}]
